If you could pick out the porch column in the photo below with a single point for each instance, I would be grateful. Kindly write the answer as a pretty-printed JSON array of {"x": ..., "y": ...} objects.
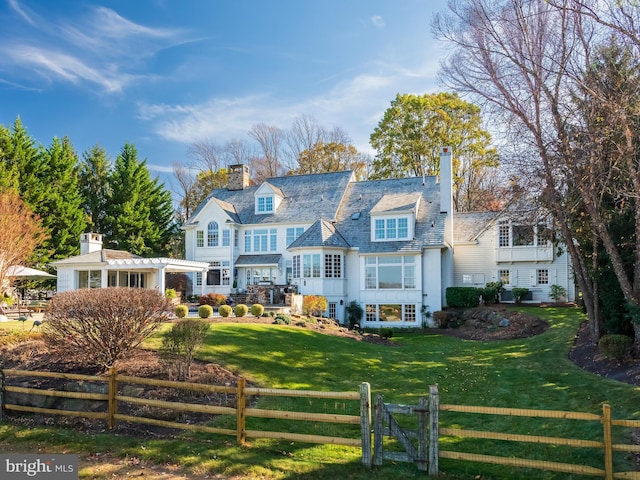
[{"x": 161, "y": 279}]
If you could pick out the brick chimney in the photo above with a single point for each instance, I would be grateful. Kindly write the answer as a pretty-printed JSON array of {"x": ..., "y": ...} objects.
[{"x": 238, "y": 177}]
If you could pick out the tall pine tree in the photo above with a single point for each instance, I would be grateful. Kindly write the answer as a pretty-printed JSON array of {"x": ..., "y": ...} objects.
[
  {"x": 140, "y": 211},
  {"x": 95, "y": 169},
  {"x": 61, "y": 210}
]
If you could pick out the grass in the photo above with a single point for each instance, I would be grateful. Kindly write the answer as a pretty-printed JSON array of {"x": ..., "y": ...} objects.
[{"x": 527, "y": 373}]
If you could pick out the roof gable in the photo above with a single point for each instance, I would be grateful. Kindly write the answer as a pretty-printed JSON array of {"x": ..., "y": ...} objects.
[{"x": 321, "y": 234}]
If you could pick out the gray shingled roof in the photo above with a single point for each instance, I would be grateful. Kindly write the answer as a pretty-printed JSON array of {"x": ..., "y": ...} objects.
[
  {"x": 306, "y": 199},
  {"x": 391, "y": 194},
  {"x": 469, "y": 225},
  {"x": 321, "y": 234},
  {"x": 100, "y": 256},
  {"x": 252, "y": 260}
]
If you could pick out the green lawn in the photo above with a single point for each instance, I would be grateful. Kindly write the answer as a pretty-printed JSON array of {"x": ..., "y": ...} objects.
[{"x": 528, "y": 373}]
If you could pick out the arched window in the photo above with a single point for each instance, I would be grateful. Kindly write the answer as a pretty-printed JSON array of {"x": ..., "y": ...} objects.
[{"x": 212, "y": 234}]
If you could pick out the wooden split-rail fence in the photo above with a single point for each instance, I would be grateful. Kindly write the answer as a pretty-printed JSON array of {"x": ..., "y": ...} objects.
[
  {"x": 113, "y": 398},
  {"x": 420, "y": 445}
]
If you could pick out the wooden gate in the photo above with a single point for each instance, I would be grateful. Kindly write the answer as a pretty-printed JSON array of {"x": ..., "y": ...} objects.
[{"x": 425, "y": 453}]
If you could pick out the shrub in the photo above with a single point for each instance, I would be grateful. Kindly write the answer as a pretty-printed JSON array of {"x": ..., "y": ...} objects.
[
  {"x": 282, "y": 319},
  {"x": 205, "y": 311},
  {"x": 519, "y": 293},
  {"x": 491, "y": 292},
  {"x": 225, "y": 310},
  {"x": 170, "y": 293},
  {"x": 354, "y": 313},
  {"x": 257, "y": 310},
  {"x": 179, "y": 345},
  {"x": 213, "y": 299},
  {"x": 615, "y": 346},
  {"x": 464, "y": 297},
  {"x": 557, "y": 292},
  {"x": 386, "y": 332},
  {"x": 314, "y": 305},
  {"x": 181, "y": 311},
  {"x": 102, "y": 325},
  {"x": 240, "y": 310}
]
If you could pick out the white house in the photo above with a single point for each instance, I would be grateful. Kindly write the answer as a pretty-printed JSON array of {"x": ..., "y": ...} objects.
[
  {"x": 388, "y": 245},
  {"x": 96, "y": 267}
]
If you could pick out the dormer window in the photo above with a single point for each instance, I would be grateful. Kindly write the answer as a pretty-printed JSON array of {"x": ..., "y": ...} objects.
[
  {"x": 391, "y": 228},
  {"x": 267, "y": 199},
  {"x": 264, "y": 204}
]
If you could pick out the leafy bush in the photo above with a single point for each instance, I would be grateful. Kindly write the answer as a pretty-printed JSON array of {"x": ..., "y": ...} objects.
[
  {"x": 557, "y": 292},
  {"x": 179, "y": 345},
  {"x": 240, "y": 310},
  {"x": 181, "y": 311},
  {"x": 491, "y": 292},
  {"x": 170, "y": 293},
  {"x": 282, "y": 319},
  {"x": 519, "y": 293},
  {"x": 386, "y": 332},
  {"x": 257, "y": 310},
  {"x": 314, "y": 305},
  {"x": 615, "y": 346},
  {"x": 102, "y": 325},
  {"x": 213, "y": 299},
  {"x": 205, "y": 311},
  {"x": 464, "y": 297},
  {"x": 354, "y": 313},
  {"x": 225, "y": 310}
]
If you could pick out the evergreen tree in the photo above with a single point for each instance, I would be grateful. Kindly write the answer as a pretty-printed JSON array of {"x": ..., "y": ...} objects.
[
  {"x": 140, "y": 211},
  {"x": 94, "y": 172},
  {"x": 61, "y": 210},
  {"x": 8, "y": 173}
]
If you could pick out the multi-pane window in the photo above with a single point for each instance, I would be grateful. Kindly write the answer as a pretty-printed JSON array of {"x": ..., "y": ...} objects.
[
  {"x": 393, "y": 312},
  {"x": 333, "y": 266},
  {"x": 311, "y": 265},
  {"x": 296, "y": 266},
  {"x": 409, "y": 313},
  {"x": 199, "y": 238},
  {"x": 273, "y": 239},
  {"x": 260, "y": 240},
  {"x": 504, "y": 276},
  {"x": 293, "y": 233},
  {"x": 503, "y": 235},
  {"x": 543, "y": 276},
  {"x": 371, "y": 313},
  {"x": 212, "y": 234},
  {"x": 198, "y": 279},
  {"x": 226, "y": 237},
  {"x": 265, "y": 204},
  {"x": 391, "y": 228},
  {"x": 236, "y": 237},
  {"x": 218, "y": 273},
  {"x": 522, "y": 235},
  {"x": 90, "y": 279},
  {"x": 247, "y": 241},
  {"x": 332, "y": 310},
  {"x": 390, "y": 272}
]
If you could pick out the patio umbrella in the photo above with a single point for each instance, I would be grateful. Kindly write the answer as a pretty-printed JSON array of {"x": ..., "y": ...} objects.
[{"x": 20, "y": 272}]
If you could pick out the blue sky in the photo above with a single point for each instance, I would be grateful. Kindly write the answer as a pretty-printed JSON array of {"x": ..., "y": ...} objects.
[{"x": 162, "y": 74}]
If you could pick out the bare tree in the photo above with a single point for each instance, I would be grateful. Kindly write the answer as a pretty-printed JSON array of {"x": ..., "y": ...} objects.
[
  {"x": 185, "y": 180},
  {"x": 305, "y": 132},
  {"x": 207, "y": 155},
  {"x": 270, "y": 139},
  {"x": 521, "y": 59},
  {"x": 20, "y": 233},
  {"x": 236, "y": 152}
]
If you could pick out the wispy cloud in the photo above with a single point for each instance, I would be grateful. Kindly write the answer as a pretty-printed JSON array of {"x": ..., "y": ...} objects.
[
  {"x": 16, "y": 7},
  {"x": 355, "y": 103},
  {"x": 378, "y": 21},
  {"x": 94, "y": 50}
]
